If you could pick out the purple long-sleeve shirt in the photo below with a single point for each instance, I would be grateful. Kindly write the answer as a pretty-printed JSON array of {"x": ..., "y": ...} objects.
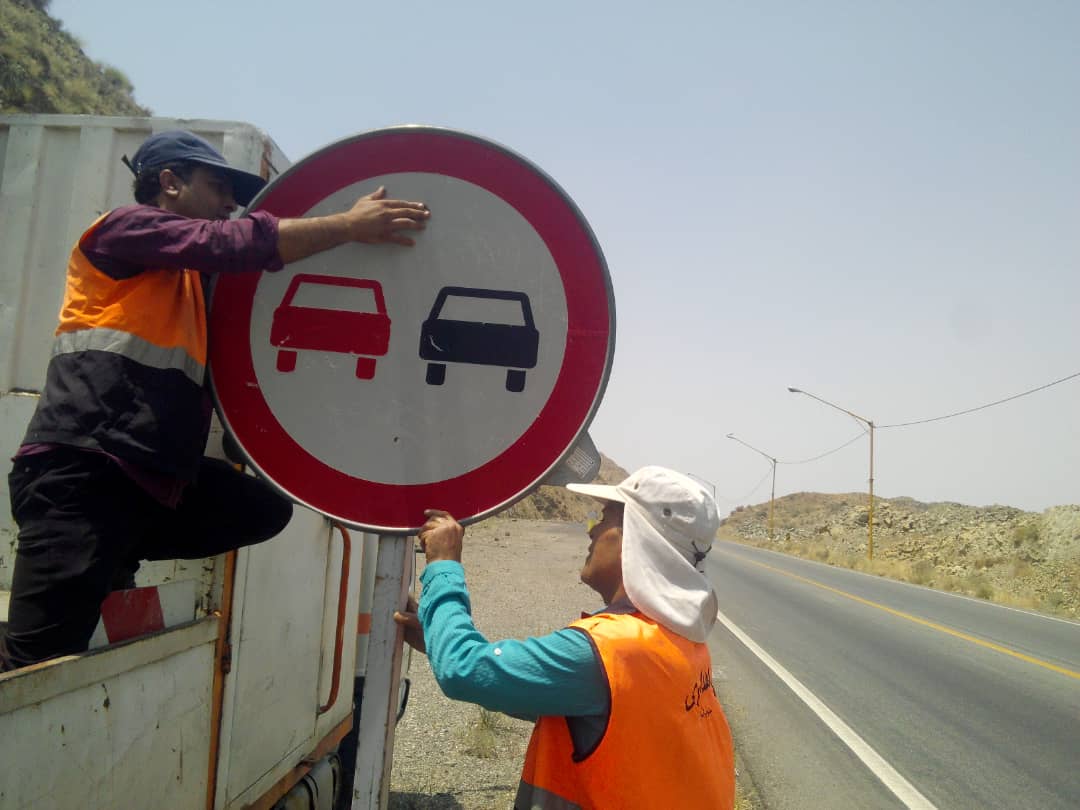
[
  {"x": 138, "y": 237},
  {"x": 135, "y": 238}
]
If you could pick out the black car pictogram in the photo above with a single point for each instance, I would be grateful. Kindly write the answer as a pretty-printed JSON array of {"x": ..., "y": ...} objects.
[{"x": 445, "y": 339}]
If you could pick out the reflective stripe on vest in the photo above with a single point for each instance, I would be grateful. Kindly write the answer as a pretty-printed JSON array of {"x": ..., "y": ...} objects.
[
  {"x": 127, "y": 367},
  {"x": 531, "y": 797},
  {"x": 132, "y": 347},
  {"x": 164, "y": 308}
]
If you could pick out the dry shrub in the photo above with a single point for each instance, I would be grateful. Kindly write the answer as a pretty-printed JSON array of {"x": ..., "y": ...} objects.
[
  {"x": 1026, "y": 600},
  {"x": 949, "y": 583},
  {"x": 978, "y": 586},
  {"x": 879, "y": 566},
  {"x": 1018, "y": 569},
  {"x": 893, "y": 569},
  {"x": 849, "y": 560},
  {"x": 921, "y": 573},
  {"x": 1053, "y": 601},
  {"x": 480, "y": 736},
  {"x": 1027, "y": 533}
]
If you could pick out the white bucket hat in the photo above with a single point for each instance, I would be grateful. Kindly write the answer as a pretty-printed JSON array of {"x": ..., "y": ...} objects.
[{"x": 669, "y": 522}]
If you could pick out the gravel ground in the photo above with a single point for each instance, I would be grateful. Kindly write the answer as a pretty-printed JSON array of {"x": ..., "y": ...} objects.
[{"x": 523, "y": 581}]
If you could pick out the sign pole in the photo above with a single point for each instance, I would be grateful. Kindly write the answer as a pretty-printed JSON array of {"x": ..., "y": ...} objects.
[{"x": 378, "y": 708}]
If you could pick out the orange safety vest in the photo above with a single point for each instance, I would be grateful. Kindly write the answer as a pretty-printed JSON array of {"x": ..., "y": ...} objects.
[
  {"x": 128, "y": 366},
  {"x": 667, "y": 742}
]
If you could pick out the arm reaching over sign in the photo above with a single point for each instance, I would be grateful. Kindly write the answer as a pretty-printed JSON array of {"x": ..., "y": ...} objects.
[{"x": 372, "y": 220}]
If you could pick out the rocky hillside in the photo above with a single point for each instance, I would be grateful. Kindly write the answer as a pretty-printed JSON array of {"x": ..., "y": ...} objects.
[
  {"x": 559, "y": 503},
  {"x": 43, "y": 68},
  {"x": 1026, "y": 559}
]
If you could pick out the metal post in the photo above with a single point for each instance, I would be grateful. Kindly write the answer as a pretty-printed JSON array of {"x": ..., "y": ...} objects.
[
  {"x": 772, "y": 496},
  {"x": 378, "y": 710},
  {"x": 772, "y": 499},
  {"x": 870, "y": 521}
]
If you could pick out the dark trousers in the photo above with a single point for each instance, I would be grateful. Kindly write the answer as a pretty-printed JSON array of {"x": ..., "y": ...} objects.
[{"x": 84, "y": 525}]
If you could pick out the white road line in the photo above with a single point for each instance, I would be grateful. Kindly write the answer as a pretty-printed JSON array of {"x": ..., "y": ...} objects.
[{"x": 900, "y": 787}]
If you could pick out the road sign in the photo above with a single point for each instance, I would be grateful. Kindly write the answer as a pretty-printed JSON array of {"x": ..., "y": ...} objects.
[{"x": 373, "y": 382}]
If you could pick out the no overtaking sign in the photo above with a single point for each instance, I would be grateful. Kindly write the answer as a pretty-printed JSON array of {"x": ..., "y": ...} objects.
[{"x": 373, "y": 382}]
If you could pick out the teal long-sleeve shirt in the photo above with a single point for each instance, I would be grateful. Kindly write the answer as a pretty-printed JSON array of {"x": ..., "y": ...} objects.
[{"x": 559, "y": 674}]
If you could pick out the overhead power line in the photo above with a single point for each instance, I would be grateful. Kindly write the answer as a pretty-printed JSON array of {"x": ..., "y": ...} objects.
[
  {"x": 827, "y": 452},
  {"x": 765, "y": 477},
  {"x": 742, "y": 498},
  {"x": 854, "y": 439},
  {"x": 981, "y": 407}
]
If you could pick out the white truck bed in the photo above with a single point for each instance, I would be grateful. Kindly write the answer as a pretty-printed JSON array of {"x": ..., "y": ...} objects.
[{"x": 157, "y": 720}]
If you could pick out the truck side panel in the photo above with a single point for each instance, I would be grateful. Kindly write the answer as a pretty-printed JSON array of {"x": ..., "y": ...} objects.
[
  {"x": 125, "y": 725},
  {"x": 286, "y": 598},
  {"x": 15, "y": 413}
]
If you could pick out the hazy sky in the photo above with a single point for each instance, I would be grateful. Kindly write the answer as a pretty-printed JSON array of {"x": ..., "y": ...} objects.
[{"x": 876, "y": 202}]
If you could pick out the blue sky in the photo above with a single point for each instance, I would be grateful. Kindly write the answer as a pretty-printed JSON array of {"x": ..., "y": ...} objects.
[{"x": 876, "y": 202}]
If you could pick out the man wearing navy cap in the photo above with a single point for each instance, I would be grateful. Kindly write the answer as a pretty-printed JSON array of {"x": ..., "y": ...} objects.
[{"x": 111, "y": 470}]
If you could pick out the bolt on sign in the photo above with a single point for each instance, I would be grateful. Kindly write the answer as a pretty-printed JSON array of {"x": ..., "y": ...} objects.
[{"x": 373, "y": 382}]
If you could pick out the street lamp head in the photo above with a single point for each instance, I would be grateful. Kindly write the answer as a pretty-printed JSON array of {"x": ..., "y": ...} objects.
[
  {"x": 731, "y": 436},
  {"x": 794, "y": 390}
]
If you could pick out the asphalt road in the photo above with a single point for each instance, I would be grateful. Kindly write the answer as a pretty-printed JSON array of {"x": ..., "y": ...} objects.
[{"x": 974, "y": 705}]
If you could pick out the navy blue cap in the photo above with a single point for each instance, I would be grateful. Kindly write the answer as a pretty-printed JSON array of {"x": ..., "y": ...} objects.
[{"x": 176, "y": 145}]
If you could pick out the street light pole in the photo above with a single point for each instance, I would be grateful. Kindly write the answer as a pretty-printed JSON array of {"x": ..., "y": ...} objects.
[
  {"x": 772, "y": 497},
  {"x": 870, "y": 425}
]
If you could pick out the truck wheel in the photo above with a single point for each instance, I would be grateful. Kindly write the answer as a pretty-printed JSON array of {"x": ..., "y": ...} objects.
[
  {"x": 365, "y": 368},
  {"x": 515, "y": 380},
  {"x": 286, "y": 360},
  {"x": 436, "y": 373}
]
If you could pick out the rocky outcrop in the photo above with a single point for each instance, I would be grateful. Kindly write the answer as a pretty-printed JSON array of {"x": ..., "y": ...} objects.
[{"x": 999, "y": 552}]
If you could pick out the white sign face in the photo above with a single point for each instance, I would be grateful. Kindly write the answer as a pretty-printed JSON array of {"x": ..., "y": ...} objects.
[
  {"x": 373, "y": 382},
  {"x": 383, "y": 428}
]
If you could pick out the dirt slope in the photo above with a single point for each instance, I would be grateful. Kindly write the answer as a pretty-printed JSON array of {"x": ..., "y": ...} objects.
[
  {"x": 1027, "y": 559},
  {"x": 559, "y": 503}
]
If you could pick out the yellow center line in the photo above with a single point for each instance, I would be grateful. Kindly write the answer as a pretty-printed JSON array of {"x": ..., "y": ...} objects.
[{"x": 932, "y": 625}]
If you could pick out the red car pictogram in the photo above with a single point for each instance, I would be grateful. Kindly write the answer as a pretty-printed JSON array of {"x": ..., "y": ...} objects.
[{"x": 320, "y": 328}]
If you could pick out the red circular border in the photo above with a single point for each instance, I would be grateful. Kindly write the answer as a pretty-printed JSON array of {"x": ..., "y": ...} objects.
[{"x": 389, "y": 507}]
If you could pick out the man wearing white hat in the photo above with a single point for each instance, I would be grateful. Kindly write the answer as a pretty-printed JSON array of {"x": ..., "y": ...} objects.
[{"x": 627, "y": 714}]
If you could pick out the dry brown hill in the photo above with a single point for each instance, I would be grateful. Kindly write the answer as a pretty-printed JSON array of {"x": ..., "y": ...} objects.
[
  {"x": 1028, "y": 559},
  {"x": 559, "y": 503}
]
